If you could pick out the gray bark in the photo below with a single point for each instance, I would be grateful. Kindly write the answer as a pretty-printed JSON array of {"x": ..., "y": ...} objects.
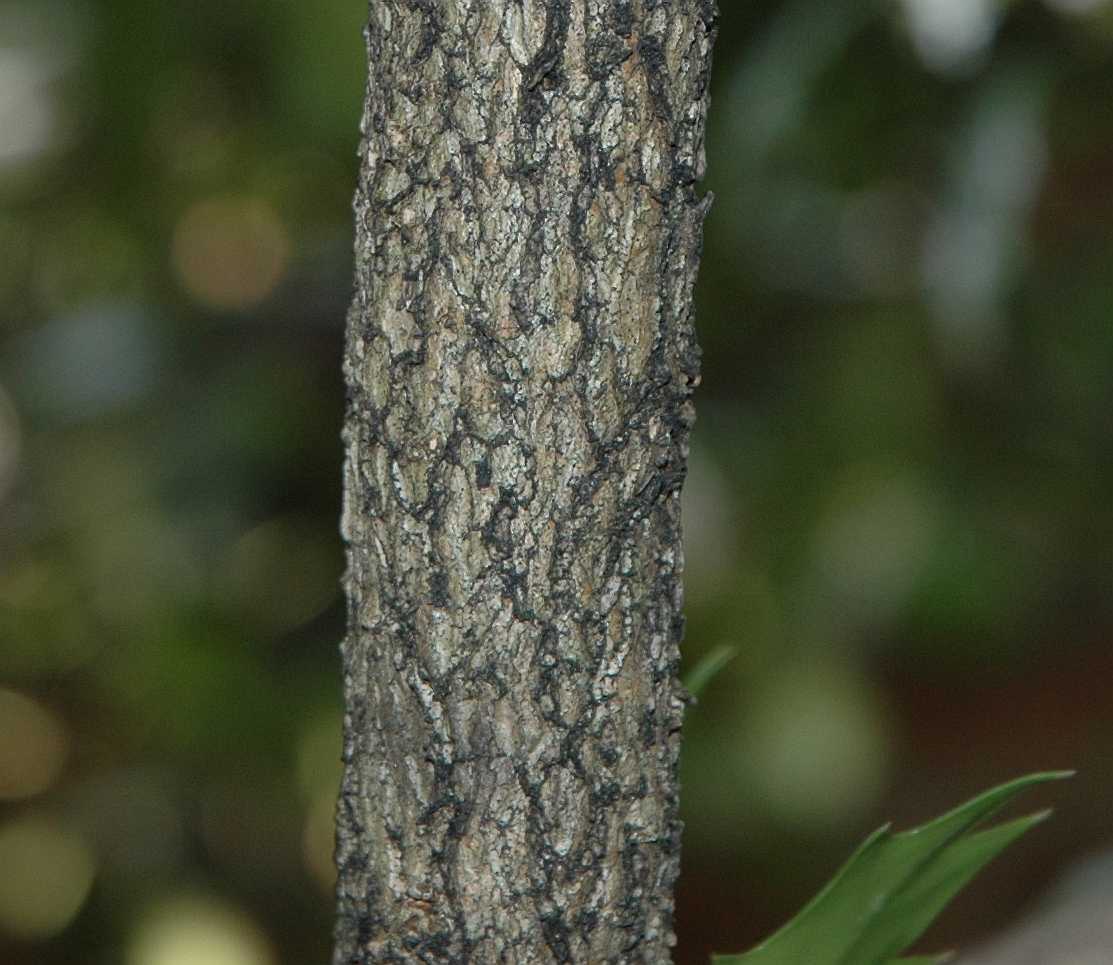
[{"x": 520, "y": 357}]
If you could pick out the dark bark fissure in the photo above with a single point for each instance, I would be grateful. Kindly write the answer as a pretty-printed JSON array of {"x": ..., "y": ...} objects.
[{"x": 519, "y": 361}]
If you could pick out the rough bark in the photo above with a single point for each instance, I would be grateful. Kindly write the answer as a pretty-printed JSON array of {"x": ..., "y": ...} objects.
[{"x": 520, "y": 356}]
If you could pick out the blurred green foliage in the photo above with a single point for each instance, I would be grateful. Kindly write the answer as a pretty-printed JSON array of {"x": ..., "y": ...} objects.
[
  {"x": 898, "y": 511},
  {"x": 894, "y": 885}
]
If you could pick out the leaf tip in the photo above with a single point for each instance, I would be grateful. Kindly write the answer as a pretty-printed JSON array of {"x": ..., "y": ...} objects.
[{"x": 1040, "y": 816}]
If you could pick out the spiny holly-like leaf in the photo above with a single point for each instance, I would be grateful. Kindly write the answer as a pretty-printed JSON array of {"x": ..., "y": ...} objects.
[
  {"x": 708, "y": 667},
  {"x": 893, "y": 886}
]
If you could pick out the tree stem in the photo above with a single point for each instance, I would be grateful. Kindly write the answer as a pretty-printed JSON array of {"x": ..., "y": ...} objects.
[{"x": 520, "y": 357}]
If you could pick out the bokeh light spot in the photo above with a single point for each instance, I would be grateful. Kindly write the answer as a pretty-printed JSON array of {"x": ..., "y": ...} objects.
[
  {"x": 818, "y": 745},
  {"x": 230, "y": 253},
  {"x": 28, "y": 118},
  {"x": 318, "y": 754},
  {"x": 33, "y": 746},
  {"x": 46, "y": 630},
  {"x": 11, "y": 442},
  {"x": 135, "y": 820},
  {"x": 198, "y": 931},
  {"x": 89, "y": 364},
  {"x": 318, "y": 840},
  {"x": 280, "y": 574},
  {"x": 950, "y": 34},
  {"x": 710, "y": 552},
  {"x": 48, "y": 872},
  {"x": 872, "y": 545}
]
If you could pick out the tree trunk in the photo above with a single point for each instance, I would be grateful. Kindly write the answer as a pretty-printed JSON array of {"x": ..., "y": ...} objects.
[{"x": 520, "y": 357}]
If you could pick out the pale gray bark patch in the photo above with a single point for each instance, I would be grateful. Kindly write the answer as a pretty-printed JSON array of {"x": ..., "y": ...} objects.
[{"x": 520, "y": 358}]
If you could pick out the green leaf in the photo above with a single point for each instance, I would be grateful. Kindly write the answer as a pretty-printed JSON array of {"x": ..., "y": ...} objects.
[
  {"x": 707, "y": 668},
  {"x": 893, "y": 887}
]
